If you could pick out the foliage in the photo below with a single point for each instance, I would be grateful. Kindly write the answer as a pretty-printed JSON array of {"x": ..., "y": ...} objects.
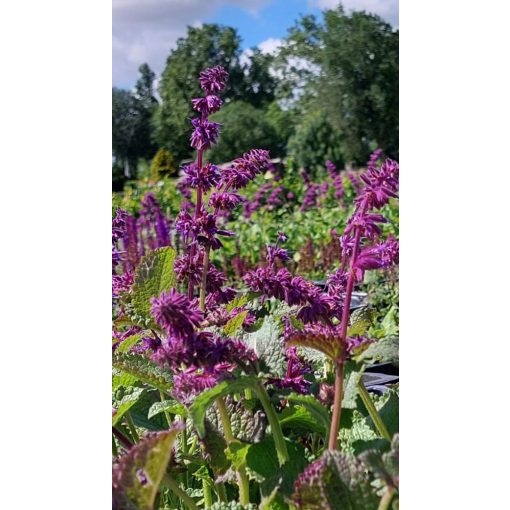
[
  {"x": 315, "y": 141},
  {"x": 216, "y": 400},
  {"x": 162, "y": 164}
]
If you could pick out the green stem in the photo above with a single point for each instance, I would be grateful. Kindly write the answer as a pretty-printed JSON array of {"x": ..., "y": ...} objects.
[
  {"x": 172, "y": 485},
  {"x": 272, "y": 418},
  {"x": 384, "y": 504},
  {"x": 115, "y": 450},
  {"x": 167, "y": 414},
  {"x": 242, "y": 478},
  {"x": 247, "y": 394},
  {"x": 372, "y": 411},
  {"x": 132, "y": 428},
  {"x": 184, "y": 438},
  {"x": 222, "y": 493},
  {"x": 207, "y": 494}
]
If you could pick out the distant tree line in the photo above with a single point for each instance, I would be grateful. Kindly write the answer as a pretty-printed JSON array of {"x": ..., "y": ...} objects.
[{"x": 330, "y": 91}]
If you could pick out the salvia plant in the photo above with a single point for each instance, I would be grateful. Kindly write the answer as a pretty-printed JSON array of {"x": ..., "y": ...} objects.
[{"x": 248, "y": 394}]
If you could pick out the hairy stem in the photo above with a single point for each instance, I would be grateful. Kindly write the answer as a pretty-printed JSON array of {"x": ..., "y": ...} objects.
[
  {"x": 123, "y": 439},
  {"x": 174, "y": 487},
  {"x": 167, "y": 414},
  {"x": 272, "y": 418},
  {"x": 207, "y": 494},
  {"x": 221, "y": 492},
  {"x": 384, "y": 504},
  {"x": 192, "y": 250},
  {"x": 337, "y": 407},
  {"x": 372, "y": 411},
  {"x": 132, "y": 428},
  {"x": 204, "y": 279},
  {"x": 242, "y": 478}
]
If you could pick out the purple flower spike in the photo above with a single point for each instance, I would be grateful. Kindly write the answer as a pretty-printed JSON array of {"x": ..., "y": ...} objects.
[
  {"x": 175, "y": 313},
  {"x": 205, "y": 133},
  {"x": 204, "y": 178},
  {"x": 207, "y": 104},
  {"x": 213, "y": 80}
]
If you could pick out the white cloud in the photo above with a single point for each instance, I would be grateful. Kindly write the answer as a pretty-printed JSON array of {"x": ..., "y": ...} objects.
[
  {"x": 387, "y": 9},
  {"x": 146, "y": 30},
  {"x": 270, "y": 45}
]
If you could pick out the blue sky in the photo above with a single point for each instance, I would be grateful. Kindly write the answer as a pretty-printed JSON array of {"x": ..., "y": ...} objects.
[{"x": 147, "y": 30}]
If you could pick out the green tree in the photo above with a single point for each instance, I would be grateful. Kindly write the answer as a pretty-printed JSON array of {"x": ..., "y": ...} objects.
[
  {"x": 350, "y": 67},
  {"x": 315, "y": 141},
  {"x": 162, "y": 165},
  {"x": 131, "y": 122},
  {"x": 244, "y": 127},
  {"x": 206, "y": 46}
]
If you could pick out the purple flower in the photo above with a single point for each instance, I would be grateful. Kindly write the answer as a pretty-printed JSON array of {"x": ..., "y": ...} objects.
[
  {"x": 225, "y": 201},
  {"x": 294, "y": 379},
  {"x": 338, "y": 184},
  {"x": 213, "y": 80},
  {"x": 265, "y": 281},
  {"x": 354, "y": 181},
  {"x": 204, "y": 178},
  {"x": 244, "y": 169},
  {"x": 282, "y": 237},
  {"x": 205, "y": 133},
  {"x": 184, "y": 270},
  {"x": 191, "y": 382},
  {"x": 381, "y": 184},
  {"x": 153, "y": 220},
  {"x": 207, "y": 105},
  {"x": 379, "y": 256},
  {"x": 118, "y": 225},
  {"x": 331, "y": 167},
  {"x": 274, "y": 252},
  {"x": 310, "y": 198},
  {"x": 175, "y": 313}
]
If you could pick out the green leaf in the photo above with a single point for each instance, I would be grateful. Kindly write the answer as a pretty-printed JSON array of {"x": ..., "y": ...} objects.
[
  {"x": 143, "y": 369},
  {"x": 388, "y": 413},
  {"x": 171, "y": 406},
  {"x": 384, "y": 351},
  {"x": 154, "y": 274},
  {"x": 140, "y": 411},
  {"x": 262, "y": 463},
  {"x": 120, "y": 378},
  {"x": 137, "y": 475},
  {"x": 235, "y": 323},
  {"x": 299, "y": 420},
  {"x": 336, "y": 481},
  {"x": 199, "y": 407},
  {"x": 237, "y": 302},
  {"x": 246, "y": 425},
  {"x": 351, "y": 382},
  {"x": 129, "y": 342},
  {"x": 267, "y": 342},
  {"x": 317, "y": 410},
  {"x": 126, "y": 403}
]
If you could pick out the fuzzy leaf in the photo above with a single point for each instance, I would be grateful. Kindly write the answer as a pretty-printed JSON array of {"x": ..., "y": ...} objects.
[
  {"x": 267, "y": 343},
  {"x": 246, "y": 425},
  {"x": 214, "y": 446},
  {"x": 235, "y": 323},
  {"x": 237, "y": 302},
  {"x": 299, "y": 420},
  {"x": 262, "y": 462},
  {"x": 316, "y": 409},
  {"x": 328, "y": 345},
  {"x": 154, "y": 274},
  {"x": 385, "y": 465},
  {"x": 167, "y": 405},
  {"x": 129, "y": 342},
  {"x": 351, "y": 382},
  {"x": 120, "y": 378},
  {"x": 336, "y": 481},
  {"x": 385, "y": 351},
  {"x": 139, "y": 412},
  {"x": 137, "y": 475},
  {"x": 125, "y": 404},
  {"x": 199, "y": 406},
  {"x": 143, "y": 369}
]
